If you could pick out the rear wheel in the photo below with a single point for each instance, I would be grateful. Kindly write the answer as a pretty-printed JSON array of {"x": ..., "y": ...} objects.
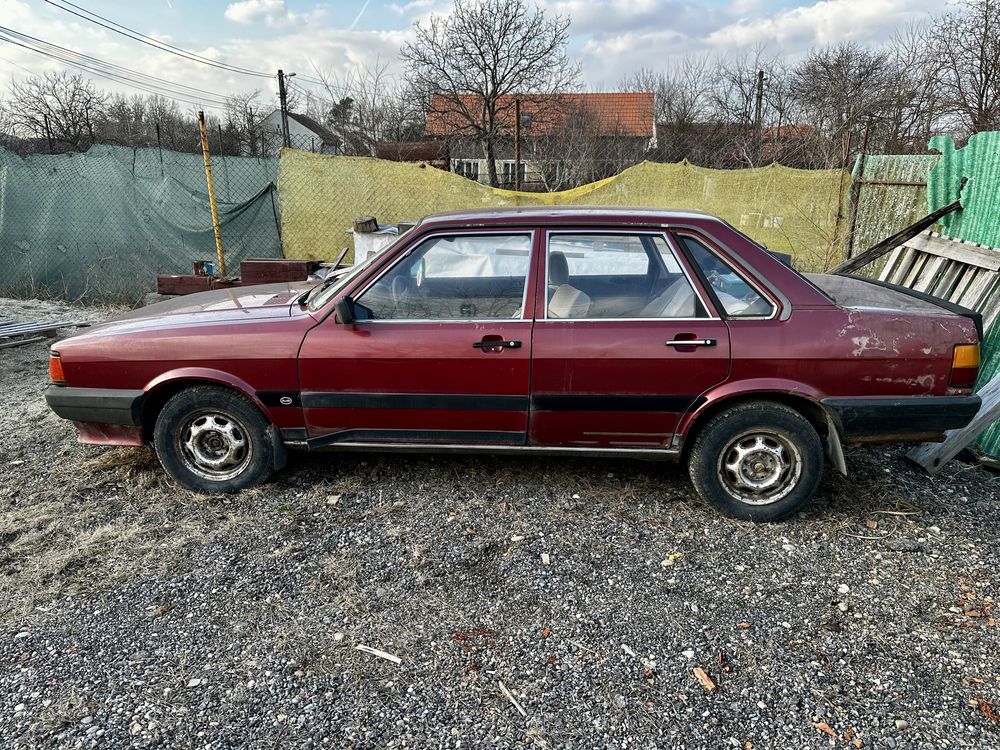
[
  {"x": 213, "y": 440},
  {"x": 759, "y": 461}
]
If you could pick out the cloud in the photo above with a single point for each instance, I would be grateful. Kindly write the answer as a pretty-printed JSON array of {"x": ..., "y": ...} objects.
[
  {"x": 822, "y": 23},
  {"x": 414, "y": 6},
  {"x": 301, "y": 48},
  {"x": 272, "y": 12}
]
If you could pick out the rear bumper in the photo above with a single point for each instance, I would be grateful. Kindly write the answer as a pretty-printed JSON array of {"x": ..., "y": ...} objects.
[
  {"x": 878, "y": 419},
  {"x": 112, "y": 406}
]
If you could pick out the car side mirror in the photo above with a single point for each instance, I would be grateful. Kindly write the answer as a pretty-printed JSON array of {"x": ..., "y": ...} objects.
[{"x": 345, "y": 310}]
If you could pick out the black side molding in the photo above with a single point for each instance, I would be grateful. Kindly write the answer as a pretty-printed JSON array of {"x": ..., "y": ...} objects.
[{"x": 102, "y": 405}]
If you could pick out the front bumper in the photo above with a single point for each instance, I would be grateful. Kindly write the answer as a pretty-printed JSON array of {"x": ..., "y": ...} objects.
[
  {"x": 907, "y": 418},
  {"x": 111, "y": 406}
]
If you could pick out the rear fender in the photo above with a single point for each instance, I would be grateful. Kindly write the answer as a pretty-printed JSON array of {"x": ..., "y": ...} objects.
[{"x": 800, "y": 396}]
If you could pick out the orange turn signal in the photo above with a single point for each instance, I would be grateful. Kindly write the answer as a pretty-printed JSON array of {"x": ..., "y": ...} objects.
[
  {"x": 55, "y": 368},
  {"x": 964, "y": 366}
]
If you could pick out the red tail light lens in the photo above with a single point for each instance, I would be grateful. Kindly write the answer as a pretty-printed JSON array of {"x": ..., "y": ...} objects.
[
  {"x": 55, "y": 368},
  {"x": 964, "y": 366}
]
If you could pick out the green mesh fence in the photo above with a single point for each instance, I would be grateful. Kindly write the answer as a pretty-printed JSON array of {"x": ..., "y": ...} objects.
[
  {"x": 797, "y": 211},
  {"x": 99, "y": 226}
]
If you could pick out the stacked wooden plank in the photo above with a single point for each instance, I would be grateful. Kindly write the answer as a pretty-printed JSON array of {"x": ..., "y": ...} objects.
[{"x": 960, "y": 272}]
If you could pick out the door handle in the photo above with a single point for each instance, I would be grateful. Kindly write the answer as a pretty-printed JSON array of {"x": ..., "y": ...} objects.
[
  {"x": 496, "y": 344},
  {"x": 690, "y": 342}
]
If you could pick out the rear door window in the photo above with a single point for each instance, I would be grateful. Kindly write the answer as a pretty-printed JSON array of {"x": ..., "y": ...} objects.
[
  {"x": 734, "y": 293},
  {"x": 610, "y": 275}
]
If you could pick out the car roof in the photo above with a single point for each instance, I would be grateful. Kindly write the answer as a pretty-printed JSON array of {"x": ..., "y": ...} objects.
[{"x": 521, "y": 214}]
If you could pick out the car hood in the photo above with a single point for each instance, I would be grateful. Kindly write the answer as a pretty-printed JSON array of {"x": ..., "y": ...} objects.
[{"x": 216, "y": 306}]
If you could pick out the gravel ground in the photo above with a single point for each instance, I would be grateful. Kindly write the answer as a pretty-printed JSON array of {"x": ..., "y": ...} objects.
[{"x": 136, "y": 614}]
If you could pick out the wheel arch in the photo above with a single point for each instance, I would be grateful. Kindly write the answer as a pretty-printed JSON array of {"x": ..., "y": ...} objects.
[
  {"x": 165, "y": 386},
  {"x": 803, "y": 401}
]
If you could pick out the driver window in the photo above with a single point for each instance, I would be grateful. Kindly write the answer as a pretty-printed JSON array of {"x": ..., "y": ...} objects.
[
  {"x": 737, "y": 297},
  {"x": 459, "y": 277},
  {"x": 598, "y": 276}
]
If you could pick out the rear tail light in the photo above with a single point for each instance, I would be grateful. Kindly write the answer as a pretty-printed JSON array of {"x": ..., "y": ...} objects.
[
  {"x": 55, "y": 368},
  {"x": 964, "y": 366}
]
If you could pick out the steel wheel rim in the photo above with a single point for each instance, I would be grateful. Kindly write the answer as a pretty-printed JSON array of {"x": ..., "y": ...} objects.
[
  {"x": 214, "y": 445},
  {"x": 759, "y": 467}
]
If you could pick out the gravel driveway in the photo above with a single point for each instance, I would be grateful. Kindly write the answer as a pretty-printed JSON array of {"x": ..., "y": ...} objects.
[{"x": 136, "y": 614}]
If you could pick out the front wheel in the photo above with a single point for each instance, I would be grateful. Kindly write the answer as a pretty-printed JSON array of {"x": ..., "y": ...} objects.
[
  {"x": 213, "y": 440},
  {"x": 758, "y": 461}
]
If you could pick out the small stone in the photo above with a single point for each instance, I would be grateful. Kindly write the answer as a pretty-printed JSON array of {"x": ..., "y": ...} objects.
[
  {"x": 545, "y": 558},
  {"x": 517, "y": 538},
  {"x": 901, "y": 724},
  {"x": 194, "y": 682},
  {"x": 688, "y": 654},
  {"x": 86, "y": 719},
  {"x": 338, "y": 637},
  {"x": 842, "y": 606},
  {"x": 22, "y": 634},
  {"x": 843, "y": 589},
  {"x": 19, "y": 708}
]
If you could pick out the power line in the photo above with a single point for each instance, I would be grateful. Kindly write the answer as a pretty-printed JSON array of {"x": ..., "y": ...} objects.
[
  {"x": 111, "y": 71},
  {"x": 125, "y": 31}
]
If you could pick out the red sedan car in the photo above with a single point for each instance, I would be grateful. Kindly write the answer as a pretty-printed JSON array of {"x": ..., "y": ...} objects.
[{"x": 583, "y": 331}]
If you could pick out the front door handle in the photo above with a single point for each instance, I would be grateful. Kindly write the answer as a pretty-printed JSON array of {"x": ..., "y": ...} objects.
[
  {"x": 496, "y": 345},
  {"x": 690, "y": 342}
]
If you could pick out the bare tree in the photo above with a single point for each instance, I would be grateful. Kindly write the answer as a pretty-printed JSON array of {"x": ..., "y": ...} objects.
[
  {"x": 60, "y": 106},
  {"x": 243, "y": 117},
  {"x": 368, "y": 106},
  {"x": 966, "y": 50},
  {"x": 470, "y": 64}
]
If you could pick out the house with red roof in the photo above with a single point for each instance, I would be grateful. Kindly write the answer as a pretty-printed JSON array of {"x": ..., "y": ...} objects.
[{"x": 566, "y": 139}]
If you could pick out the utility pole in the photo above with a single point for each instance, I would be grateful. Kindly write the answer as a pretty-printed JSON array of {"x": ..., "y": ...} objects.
[
  {"x": 758, "y": 118},
  {"x": 48, "y": 131},
  {"x": 286, "y": 141},
  {"x": 216, "y": 229},
  {"x": 517, "y": 143}
]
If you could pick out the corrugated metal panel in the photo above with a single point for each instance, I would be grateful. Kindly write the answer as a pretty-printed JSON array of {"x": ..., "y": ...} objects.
[{"x": 978, "y": 221}]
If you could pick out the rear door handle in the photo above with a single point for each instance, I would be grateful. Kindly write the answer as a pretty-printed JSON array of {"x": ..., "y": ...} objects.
[
  {"x": 496, "y": 344},
  {"x": 690, "y": 342}
]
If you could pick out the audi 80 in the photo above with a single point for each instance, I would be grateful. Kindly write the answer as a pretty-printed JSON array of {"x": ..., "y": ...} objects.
[{"x": 570, "y": 331}]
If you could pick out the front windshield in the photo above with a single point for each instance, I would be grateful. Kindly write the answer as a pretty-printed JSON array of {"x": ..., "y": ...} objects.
[{"x": 326, "y": 293}]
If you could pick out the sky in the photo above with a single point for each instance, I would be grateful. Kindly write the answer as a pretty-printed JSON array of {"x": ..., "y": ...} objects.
[{"x": 610, "y": 37}]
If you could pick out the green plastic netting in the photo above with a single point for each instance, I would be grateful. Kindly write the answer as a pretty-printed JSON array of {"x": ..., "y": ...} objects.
[{"x": 100, "y": 225}]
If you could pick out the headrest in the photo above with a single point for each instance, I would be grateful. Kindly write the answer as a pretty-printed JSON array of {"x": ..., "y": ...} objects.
[{"x": 558, "y": 269}]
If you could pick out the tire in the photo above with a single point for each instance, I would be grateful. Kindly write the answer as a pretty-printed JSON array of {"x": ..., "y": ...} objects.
[
  {"x": 757, "y": 461},
  {"x": 213, "y": 440}
]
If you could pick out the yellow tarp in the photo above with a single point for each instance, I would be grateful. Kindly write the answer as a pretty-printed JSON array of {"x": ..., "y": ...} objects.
[{"x": 789, "y": 210}]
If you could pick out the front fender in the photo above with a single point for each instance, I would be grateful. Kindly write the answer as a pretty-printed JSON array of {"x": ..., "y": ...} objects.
[{"x": 204, "y": 375}]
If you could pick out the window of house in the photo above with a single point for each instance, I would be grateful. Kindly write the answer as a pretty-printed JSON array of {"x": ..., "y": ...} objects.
[
  {"x": 455, "y": 277},
  {"x": 509, "y": 172},
  {"x": 467, "y": 168},
  {"x": 735, "y": 295},
  {"x": 617, "y": 276}
]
